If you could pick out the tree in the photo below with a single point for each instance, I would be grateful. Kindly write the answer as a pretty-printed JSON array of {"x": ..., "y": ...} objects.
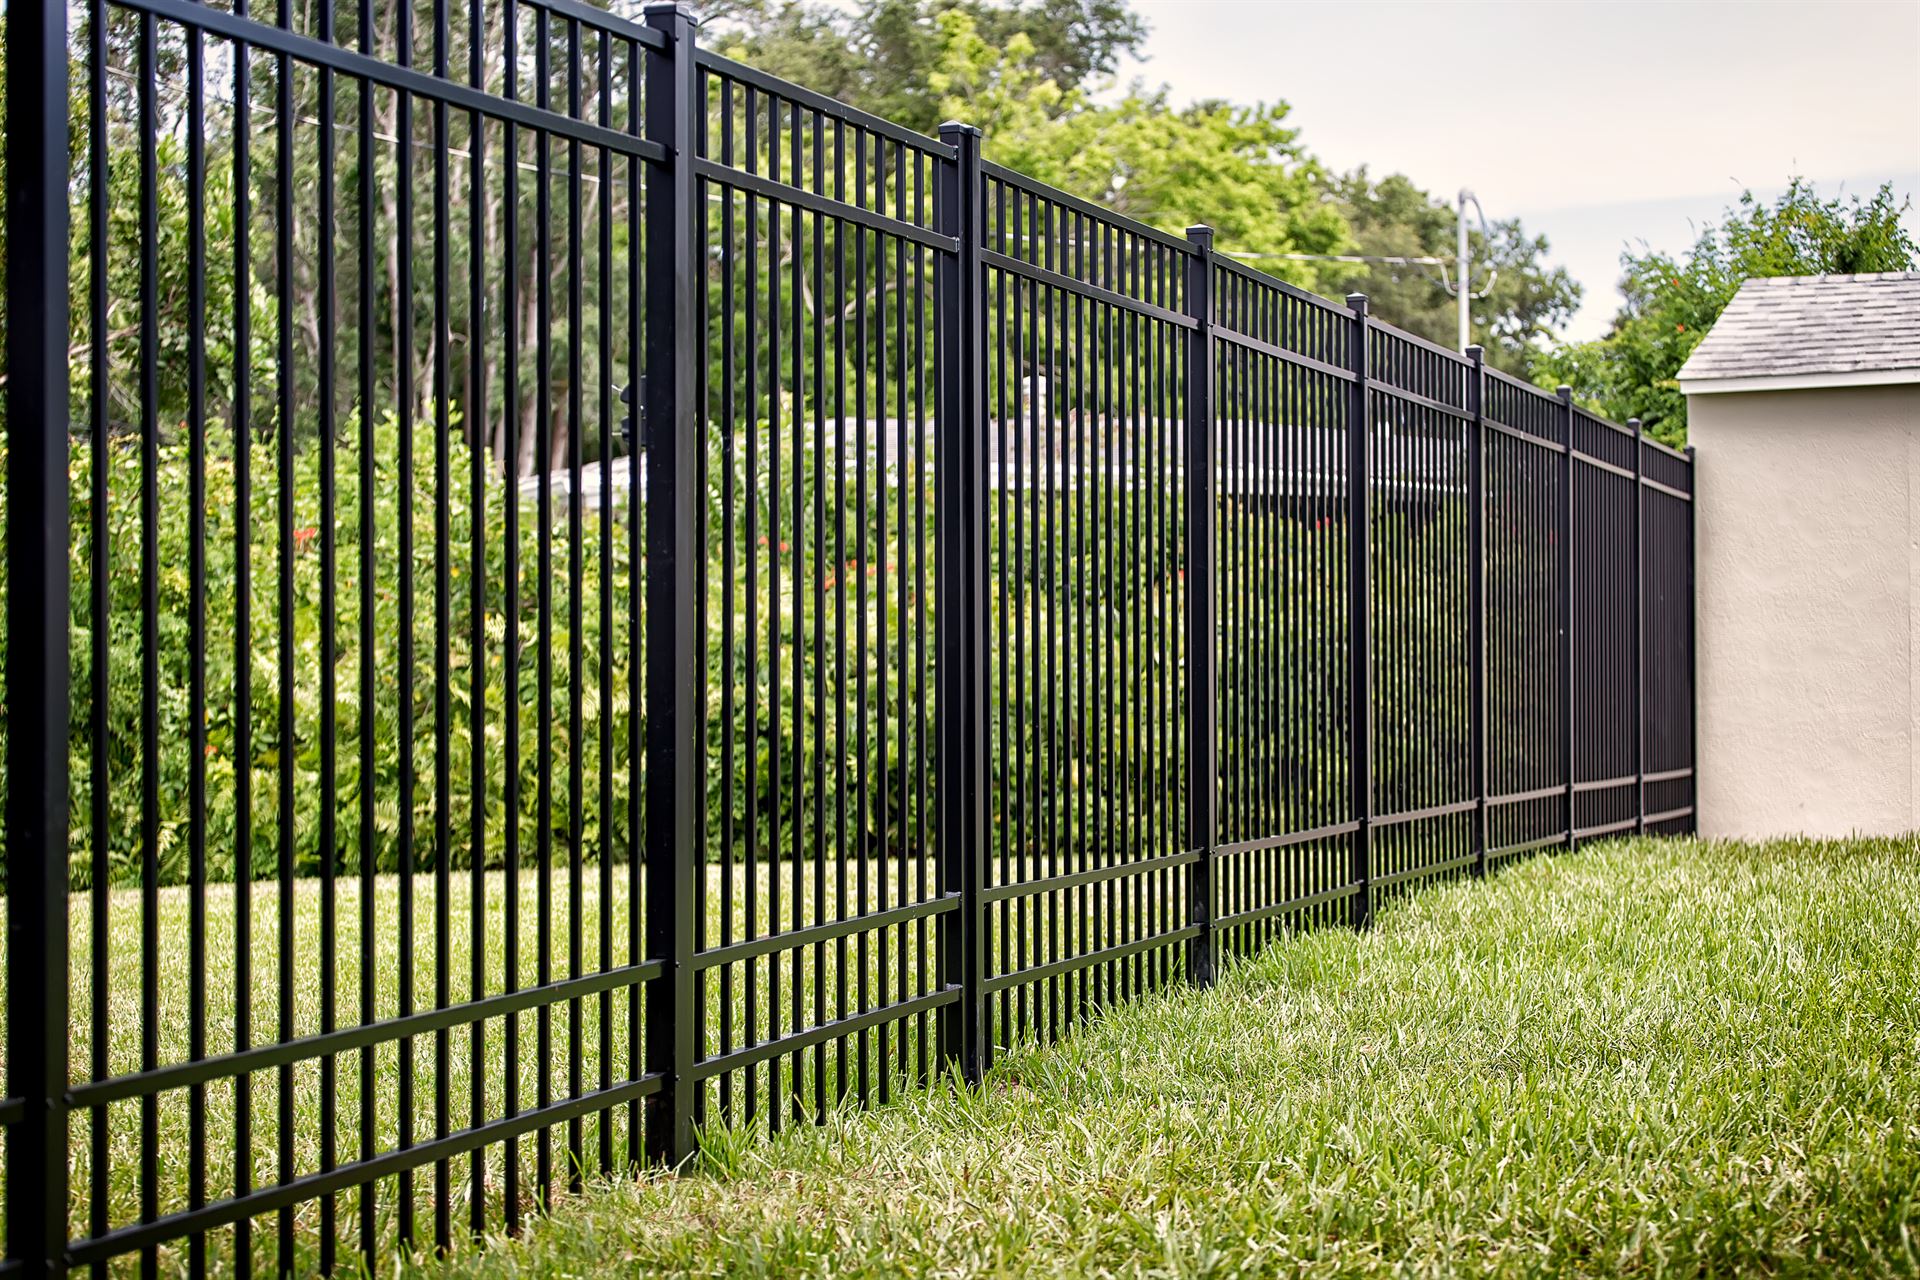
[
  {"x": 1671, "y": 303},
  {"x": 881, "y": 55},
  {"x": 106, "y": 351},
  {"x": 1239, "y": 169},
  {"x": 1027, "y": 73},
  {"x": 1392, "y": 217}
]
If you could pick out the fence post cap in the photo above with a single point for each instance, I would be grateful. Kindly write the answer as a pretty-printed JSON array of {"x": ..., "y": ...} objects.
[
  {"x": 1358, "y": 301},
  {"x": 1634, "y": 423},
  {"x": 1474, "y": 352},
  {"x": 655, "y": 9},
  {"x": 1201, "y": 234},
  {"x": 1565, "y": 392},
  {"x": 950, "y": 128}
]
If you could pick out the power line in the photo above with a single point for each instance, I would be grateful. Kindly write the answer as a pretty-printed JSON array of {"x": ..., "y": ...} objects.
[{"x": 1389, "y": 259}]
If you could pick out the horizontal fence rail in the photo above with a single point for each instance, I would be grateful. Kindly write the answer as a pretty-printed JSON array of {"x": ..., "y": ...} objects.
[{"x": 563, "y": 591}]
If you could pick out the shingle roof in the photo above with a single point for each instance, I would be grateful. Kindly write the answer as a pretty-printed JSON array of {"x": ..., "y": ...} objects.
[{"x": 1792, "y": 326}]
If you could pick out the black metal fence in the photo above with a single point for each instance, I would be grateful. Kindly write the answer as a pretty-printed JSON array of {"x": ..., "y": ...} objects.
[{"x": 420, "y": 800}]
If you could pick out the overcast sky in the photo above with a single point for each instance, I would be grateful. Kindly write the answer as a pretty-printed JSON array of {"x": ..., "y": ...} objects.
[{"x": 1597, "y": 122}]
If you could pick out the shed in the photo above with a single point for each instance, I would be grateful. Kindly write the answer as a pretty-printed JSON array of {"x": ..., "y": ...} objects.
[{"x": 1803, "y": 403}]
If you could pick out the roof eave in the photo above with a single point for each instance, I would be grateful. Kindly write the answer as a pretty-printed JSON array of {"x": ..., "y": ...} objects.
[{"x": 1816, "y": 381}]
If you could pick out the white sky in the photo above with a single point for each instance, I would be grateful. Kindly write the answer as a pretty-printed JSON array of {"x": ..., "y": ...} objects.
[{"x": 1597, "y": 122}]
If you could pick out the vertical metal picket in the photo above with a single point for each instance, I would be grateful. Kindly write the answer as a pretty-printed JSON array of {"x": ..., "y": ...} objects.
[
  {"x": 1359, "y": 646},
  {"x": 1639, "y": 632},
  {"x": 37, "y": 622},
  {"x": 960, "y": 464},
  {"x": 1202, "y": 788},
  {"x": 1477, "y": 599},
  {"x": 1565, "y": 393},
  {"x": 674, "y": 502}
]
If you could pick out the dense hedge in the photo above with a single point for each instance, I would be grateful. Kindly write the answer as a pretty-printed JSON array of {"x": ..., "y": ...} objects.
[
  {"x": 1133, "y": 782},
  {"x": 120, "y": 755}
]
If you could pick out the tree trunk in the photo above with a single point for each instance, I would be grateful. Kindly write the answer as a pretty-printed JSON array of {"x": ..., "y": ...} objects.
[{"x": 529, "y": 402}]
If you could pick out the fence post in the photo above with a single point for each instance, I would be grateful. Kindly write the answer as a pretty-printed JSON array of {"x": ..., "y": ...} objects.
[
  {"x": 1359, "y": 646},
  {"x": 1477, "y": 598},
  {"x": 1565, "y": 393},
  {"x": 1693, "y": 619},
  {"x": 1639, "y": 638},
  {"x": 674, "y": 616},
  {"x": 1202, "y": 791},
  {"x": 960, "y": 462},
  {"x": 37, "y": 620}
]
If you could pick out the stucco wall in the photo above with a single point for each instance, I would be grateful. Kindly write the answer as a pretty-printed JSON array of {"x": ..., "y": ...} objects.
[{"x": 1808, "y": 640}]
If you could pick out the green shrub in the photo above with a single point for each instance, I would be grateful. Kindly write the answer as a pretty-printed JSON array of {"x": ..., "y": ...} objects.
[{"x": 1071, "y": 779}]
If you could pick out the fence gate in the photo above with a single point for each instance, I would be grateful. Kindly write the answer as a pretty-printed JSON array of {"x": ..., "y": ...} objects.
[{"x": 561, "y": 589}]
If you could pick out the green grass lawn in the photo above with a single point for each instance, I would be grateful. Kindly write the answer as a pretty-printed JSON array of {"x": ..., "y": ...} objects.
[
  {"x": 1645, "y": 1058},
  {"x": 127, "y": 1161}
]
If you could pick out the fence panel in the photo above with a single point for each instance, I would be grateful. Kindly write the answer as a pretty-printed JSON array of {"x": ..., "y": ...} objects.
[
  {"x": 820, "y": 901},
  {"x": 1606, "y": 761},
  {"x": 1283, "y": 370},
  {"x": 985, "y": 609},
  {"x": 1420, "y": 412},
  {"x": 1085, "y": 432},
  {"x": 1526, "y": 650},
  {"x": 1668, "y": 594}
]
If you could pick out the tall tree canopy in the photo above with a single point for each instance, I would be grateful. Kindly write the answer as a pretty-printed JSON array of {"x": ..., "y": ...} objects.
[
  {"x": 881, "y": 55},
  {"x": 1671, "y": 302},
  {"x": 1027, "y": 74},
  {"x": 1035, "y": 76},
  {"x": 1239, "y": 169}
]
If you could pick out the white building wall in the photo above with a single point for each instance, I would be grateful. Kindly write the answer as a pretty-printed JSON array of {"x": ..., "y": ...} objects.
[{"x": 1808, "y": 533}]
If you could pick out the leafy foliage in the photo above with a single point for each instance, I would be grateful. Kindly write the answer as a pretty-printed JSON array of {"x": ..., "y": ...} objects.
[
  {"x": 883, "y": 55},
  {"x": 765, "y": 791},
  {"x": 400, "y": 246},
  {"x": 1239, "y": 169},
  {"x": 1037, "y": 79},
  {"x": 1671, "y": 302},
  {"x": 107, "y": 759}
]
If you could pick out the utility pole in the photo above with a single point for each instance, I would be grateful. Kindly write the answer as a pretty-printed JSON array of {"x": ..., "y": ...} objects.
[{"x": 1464, "y": 267}]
